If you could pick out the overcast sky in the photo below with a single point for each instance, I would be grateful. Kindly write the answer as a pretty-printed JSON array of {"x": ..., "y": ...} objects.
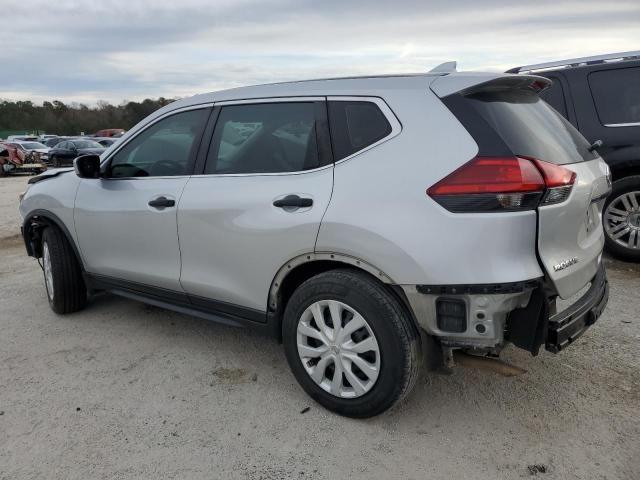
[{"x": 113, "y": 50}]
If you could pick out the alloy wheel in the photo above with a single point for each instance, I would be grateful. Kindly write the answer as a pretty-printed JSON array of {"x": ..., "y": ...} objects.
[{"x": 622, "y": 220}]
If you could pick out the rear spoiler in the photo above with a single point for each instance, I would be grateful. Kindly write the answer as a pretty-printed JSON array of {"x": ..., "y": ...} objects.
[{"x": 470, "y": 84}]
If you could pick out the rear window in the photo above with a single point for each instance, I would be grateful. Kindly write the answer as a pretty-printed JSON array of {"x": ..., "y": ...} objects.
[
  {"x": 616, "y": 94},
  {"x": 529, "y": 126},
  {"x": 355, "y": 125}
]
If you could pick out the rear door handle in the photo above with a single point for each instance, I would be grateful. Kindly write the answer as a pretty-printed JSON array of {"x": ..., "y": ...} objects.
[
  {"x": 293, "y": 201},
  {"x": 160, "y": 202}
]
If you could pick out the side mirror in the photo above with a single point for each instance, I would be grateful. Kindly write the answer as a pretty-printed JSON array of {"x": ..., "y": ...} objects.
[{"x": 87, "y": 166}]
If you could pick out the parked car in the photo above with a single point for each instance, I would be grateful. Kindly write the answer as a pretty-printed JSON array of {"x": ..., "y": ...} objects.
[
  {"x": 600, "y": 96},
  {"x": 344, "y": 217},
  {"x": 29, "y": 152},
  {"x": 14, "y": 160},
  {"x": 52, "y": 142},
  {"x": 106, "y": 142},
  {"x": 64, "y": 152},
  {"x": 35, "y": 151},
  {"x": 110, "y": 132}
]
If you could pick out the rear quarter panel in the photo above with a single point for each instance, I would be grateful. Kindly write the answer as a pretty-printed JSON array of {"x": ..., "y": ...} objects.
[{"x": 380, "y": 212}]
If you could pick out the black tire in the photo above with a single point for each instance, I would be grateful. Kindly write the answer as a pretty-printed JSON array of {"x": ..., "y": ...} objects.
[
  {"x": 394, "y": 330},
  {"x": 621, "y": 187},
  {"x": 3, "y": 173},
  {"x": 55, "y": 161},
  {"x": 69, "y": 292}
]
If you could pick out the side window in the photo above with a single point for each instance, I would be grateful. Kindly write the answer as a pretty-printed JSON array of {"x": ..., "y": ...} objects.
[
  {"x": 63, "y": 146},
  {"x": 554, "y": 96},
  {"x": 616, "y": 94},
  {"x": 355, "y": 125},
  {"x": 166, "y": 148},
  {"x": 264, "y": 138}
]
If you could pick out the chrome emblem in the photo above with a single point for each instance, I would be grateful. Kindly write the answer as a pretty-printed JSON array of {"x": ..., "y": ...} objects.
[{"x": 565, "y": 264}]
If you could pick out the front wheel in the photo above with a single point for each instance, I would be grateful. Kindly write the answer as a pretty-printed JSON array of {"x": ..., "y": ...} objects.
[
  {"x": 350, "y": 343},
  {"x": 55, "y": 161},
  {"x": 621, "y": 219},
  {"x": 63, "y": 280}
]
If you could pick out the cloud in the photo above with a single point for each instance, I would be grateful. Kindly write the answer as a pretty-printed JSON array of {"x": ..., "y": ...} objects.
[{"x": 115, "y": 50}]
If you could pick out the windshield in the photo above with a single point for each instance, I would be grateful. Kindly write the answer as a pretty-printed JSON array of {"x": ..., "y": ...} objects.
[
  {"x": 33, "y": 145},
  {"x": 86, "y": 144}
]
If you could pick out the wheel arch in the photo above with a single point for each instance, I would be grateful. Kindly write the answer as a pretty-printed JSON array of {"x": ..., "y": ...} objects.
[
  {"x": 299, "y": 269},
  {"x": 32, "y": 227}
]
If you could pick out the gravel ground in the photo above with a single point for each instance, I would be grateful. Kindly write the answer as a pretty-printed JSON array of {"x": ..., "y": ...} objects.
[{"x": 123, "y": 390}]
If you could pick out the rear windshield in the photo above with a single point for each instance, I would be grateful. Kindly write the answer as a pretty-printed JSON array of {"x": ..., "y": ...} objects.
[{"x": 530, "y": 127}]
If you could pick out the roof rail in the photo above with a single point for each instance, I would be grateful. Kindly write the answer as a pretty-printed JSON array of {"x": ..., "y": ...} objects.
[
  {"x": 446, "y": 67},
  {"x": 577, "y": 62}
]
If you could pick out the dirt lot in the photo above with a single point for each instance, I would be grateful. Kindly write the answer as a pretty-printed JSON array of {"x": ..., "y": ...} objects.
[{"x": 122, "y": 390}]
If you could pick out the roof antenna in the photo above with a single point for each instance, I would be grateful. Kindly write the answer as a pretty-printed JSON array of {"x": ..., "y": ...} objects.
[{"x": 446, "y": 67}]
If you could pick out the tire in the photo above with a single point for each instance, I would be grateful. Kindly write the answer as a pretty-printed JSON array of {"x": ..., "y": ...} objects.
[
  {"x": 63, "y": 280},
  {"x": 616, "y": 214},
  {"x": 55, "y": 161},
  {"x": 3, "y": 173},
  {"x": 394, "y": 334}
]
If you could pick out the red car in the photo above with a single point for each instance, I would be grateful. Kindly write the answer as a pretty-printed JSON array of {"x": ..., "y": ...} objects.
[{"x": 12, "y": 159}]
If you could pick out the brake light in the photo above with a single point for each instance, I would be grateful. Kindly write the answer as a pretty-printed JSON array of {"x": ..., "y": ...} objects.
[{"x": 503, "y": 183}]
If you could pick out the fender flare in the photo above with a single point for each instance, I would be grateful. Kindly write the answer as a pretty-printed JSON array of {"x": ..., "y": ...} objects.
[{"x": 291, "y": 265}]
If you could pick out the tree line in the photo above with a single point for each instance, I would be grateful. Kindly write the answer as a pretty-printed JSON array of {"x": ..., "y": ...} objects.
[{"x": 59, "y": 118}]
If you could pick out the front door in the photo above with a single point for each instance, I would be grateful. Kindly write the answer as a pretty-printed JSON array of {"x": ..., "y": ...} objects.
[
  {"x": 257, "y": 203},
  {"x": 126, "y": 221}
]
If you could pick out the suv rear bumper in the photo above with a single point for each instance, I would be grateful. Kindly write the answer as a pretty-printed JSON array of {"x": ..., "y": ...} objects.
[
  {"x": 566, "y": 326},
  {"x": 517, "y": 313}
]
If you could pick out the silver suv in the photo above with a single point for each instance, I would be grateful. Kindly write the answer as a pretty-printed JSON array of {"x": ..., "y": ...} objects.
[{"x": 361, "y": 221}]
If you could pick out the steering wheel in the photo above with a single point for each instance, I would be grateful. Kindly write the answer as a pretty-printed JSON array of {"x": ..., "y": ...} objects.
[{"x": 166, "y": 167}]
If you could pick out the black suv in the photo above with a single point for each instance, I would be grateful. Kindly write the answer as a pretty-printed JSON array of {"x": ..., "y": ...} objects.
[{"x": 600, "y": 96}]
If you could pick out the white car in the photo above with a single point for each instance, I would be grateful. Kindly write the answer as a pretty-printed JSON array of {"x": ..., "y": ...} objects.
[{"x": 358, "y": 220}]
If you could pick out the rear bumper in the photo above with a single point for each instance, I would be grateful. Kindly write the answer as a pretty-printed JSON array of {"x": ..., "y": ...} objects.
[
  {"x": 533, "y": 326},
  {"x": 565, "y": 327}
]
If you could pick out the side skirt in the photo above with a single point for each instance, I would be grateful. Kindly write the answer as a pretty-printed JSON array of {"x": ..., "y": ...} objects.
[{"x": 219, "y": 312}]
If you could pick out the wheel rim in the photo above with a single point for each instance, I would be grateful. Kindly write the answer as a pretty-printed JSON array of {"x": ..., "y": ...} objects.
[
  {"x": 622, "y": 220},
  {"x": 48, "y": 274},
  {"x": 338, "y": 349}
]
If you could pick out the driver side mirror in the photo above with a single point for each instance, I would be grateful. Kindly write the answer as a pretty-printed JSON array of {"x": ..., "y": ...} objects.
[{"x": 87, "y": 166}]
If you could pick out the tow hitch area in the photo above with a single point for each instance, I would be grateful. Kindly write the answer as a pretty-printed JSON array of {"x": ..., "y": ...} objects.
[{"x": 566, "y": 326}]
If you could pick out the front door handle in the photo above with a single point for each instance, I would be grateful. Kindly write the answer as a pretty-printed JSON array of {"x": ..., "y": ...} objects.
[
  {"x": 293, "y": 201},
  {"x": 161, "y": 202}
]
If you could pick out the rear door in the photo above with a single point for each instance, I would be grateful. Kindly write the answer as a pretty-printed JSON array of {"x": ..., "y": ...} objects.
[
  {"x": 570, "y": 234},
  {"x": 257, "y": 202}
]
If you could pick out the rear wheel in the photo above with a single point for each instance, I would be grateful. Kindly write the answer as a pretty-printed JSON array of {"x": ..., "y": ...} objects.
[
  {"x": 350, "y": 344},
  {"x": 621, "y": 219},
  {"x": 63, "y": 280}
]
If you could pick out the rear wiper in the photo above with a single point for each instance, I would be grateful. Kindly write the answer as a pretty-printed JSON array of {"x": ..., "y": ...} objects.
[{"x": 595, "y": 146}]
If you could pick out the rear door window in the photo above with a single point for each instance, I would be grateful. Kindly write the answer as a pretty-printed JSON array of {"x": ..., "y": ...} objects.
[
  {"x": 616, "y": 94},
  {"x": 355, "y": 125},
  {"x": 264, "y": 138}
]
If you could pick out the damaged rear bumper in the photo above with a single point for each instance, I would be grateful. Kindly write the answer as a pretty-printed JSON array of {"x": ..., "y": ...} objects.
[
  {"x": 535, "y": 325},
  {"x": 520, "y": 313}
]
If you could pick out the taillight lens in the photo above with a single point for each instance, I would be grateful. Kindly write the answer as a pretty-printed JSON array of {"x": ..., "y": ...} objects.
[{"x": 502, "y": 183}]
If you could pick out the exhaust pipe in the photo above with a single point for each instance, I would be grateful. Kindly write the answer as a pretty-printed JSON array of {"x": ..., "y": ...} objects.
[{"x": 485, "y": 363}]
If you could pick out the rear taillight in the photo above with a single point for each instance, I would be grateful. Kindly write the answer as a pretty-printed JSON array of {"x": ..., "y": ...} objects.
[{"x": 488, "y": 184}]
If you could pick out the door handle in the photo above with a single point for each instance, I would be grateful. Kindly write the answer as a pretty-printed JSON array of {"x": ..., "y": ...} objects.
[
  {"x": 161, "y": 202},
  {"x": 293, "y": 201}
]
